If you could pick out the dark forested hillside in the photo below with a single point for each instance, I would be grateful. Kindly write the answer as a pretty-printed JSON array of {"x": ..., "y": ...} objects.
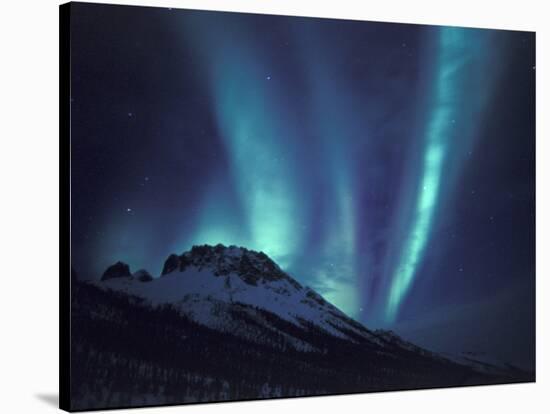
[{"x": 127, "y": 353}]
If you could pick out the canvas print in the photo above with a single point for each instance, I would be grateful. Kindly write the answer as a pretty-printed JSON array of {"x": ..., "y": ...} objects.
[{"x": 264, "y": 206}]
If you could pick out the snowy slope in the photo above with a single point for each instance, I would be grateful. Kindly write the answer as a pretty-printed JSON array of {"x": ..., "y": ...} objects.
[
  {"x": 244, "y": 293},
  {"x": 207, "y": 282},
  {"x": 482, "y": 362}
]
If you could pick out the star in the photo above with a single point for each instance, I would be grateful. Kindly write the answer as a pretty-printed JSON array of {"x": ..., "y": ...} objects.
[
  {"x": 128, "y": 210},
  {"x": 268, "y": 77},
  {"x": 130, "y": 114}
]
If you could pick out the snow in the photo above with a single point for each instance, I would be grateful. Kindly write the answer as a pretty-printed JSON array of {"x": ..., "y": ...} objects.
[
  {"x": 216, "y": 282},
  {"x": 198, "y": 291},
  {"x": 479, "y": 361}
]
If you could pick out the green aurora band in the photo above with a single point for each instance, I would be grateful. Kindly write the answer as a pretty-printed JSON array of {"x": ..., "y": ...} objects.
[
  {"x": 457, "y": 48},
  {"x": 264, "y": 140}
]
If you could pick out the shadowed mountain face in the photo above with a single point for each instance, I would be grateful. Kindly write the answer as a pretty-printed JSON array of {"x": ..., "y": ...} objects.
[{"x": 226, "y": 323}]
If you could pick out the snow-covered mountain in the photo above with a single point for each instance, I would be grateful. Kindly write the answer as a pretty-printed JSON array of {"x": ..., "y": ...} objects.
[
  {"x": 216, "y": 285},
  {"x": 237, "y": 291},
  {"x": 226, "y": 323}
]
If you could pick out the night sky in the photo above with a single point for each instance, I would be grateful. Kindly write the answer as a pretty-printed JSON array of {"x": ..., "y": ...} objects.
[{"x": 390, "y": 167}]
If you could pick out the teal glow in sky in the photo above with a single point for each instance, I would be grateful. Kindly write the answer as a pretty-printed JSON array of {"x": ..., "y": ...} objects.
[
  {"x": 263, "y": 138},
  {"x": 387, "y": 166},
  {"x": 458, "y": 50},
  {"x": 437, "y": 136}
]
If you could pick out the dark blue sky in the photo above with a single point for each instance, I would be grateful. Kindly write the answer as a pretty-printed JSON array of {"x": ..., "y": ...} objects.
[{"x": 388, "y": 166}]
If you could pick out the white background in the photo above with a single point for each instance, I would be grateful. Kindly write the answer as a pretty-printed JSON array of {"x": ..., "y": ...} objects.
[{"x": 29, "y": 205}]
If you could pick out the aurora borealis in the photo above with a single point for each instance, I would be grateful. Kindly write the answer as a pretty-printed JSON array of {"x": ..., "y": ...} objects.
[
  {"x": 458, "y": 50},
  {"x": 390, "y": 167}
]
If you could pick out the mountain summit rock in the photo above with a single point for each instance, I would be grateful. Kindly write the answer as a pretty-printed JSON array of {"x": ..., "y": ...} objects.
[
  {"x": 118, "y": 270},
  {"x": 222, "y": 260}
]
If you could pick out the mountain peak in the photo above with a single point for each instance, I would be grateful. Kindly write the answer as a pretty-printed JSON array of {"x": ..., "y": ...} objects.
[
  {"x": 249, "y": 265},
  {"x": 143, "y": 276},
  {"x": 217, "y": 285},
  {"x": 118, "y": 270}
]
